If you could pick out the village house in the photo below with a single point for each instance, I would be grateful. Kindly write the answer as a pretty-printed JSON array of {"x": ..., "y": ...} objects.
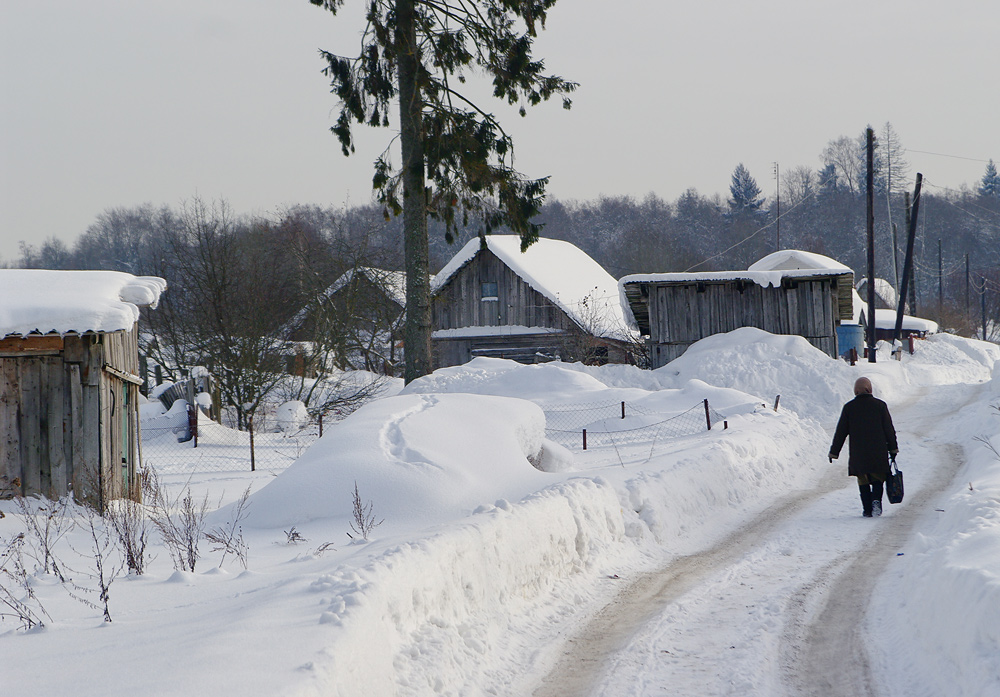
[
  {"x": 788, "y": 292},
  {"x": 69, "y": 382},
  {"x": 550, "y": 301},
  {"x": 358, "y": 319}
]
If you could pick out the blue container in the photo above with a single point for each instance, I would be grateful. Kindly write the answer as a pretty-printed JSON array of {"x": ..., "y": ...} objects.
[{"x": 850, "y": 336}]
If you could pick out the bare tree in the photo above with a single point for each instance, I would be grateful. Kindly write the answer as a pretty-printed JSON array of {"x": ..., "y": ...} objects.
[
  {"x": 798, "y": 184},
  {"x": 845, "y": 154},
  {"x": 229, "y": 298}
]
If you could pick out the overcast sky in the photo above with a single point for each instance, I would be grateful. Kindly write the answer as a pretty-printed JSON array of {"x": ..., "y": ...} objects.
[{"x": 111, "y": 103}]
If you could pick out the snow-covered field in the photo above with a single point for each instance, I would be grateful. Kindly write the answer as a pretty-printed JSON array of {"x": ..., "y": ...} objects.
[{"x": 498, "y": 545}]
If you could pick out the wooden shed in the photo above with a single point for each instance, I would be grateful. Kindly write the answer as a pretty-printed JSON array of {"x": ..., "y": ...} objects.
[
  {"x": 781, "y": 296},
  {"x": 69, "y": 382},
  {"x": 550, "y": 301}
]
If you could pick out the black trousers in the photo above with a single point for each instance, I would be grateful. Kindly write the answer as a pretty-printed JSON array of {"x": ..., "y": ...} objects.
[{"x": 870, "y": 486}]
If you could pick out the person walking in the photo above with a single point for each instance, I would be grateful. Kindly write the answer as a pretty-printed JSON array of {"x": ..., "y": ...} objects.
[{"x": 866, "y": 421}]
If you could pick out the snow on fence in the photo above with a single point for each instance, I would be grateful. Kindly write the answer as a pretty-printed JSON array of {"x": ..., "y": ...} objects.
[{"x": 614, "y": 424}]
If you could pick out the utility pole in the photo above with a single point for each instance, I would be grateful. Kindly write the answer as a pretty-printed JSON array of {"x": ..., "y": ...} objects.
[
  {"x": 870, "y": 198},
  {"x": 940, "y": 281},
  {"x": 982, "y": 300},
  {"x": 966, "y": 284},
  {"x": 913, "y": 275},
  {"x": 911, "y": 234},
  {"x": 777, "y": 200},
  {"x": 895, "y": 254}
]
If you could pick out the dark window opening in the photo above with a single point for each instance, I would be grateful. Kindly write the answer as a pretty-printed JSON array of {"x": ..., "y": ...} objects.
[{"x": 490, "y": 291}]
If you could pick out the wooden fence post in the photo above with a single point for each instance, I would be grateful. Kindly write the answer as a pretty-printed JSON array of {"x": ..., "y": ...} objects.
[
  {"x": 708, "y": 416},
  {"x": 584, "y": 439},
  {"x": 776, "y": 400},
  {"x": 623, "y": 410}
]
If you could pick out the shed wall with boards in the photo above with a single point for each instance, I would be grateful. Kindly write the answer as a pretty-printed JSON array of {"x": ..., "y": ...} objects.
[
  {"x": 675, "y": 313},
  {"x": 69, "y": 418}
]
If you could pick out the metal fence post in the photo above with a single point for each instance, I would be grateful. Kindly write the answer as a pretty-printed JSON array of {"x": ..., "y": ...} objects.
[
  {"x": 192, "y": 413},
  {"x": 584, "y": 439},
  {"x": 253, "y": 463}
]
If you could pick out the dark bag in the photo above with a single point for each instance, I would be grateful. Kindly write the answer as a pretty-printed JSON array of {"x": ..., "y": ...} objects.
[{"x": 894, "y": 484}]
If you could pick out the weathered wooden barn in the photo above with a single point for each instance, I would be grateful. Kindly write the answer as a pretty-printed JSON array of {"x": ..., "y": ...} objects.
[
  {"x": 781, "y": 294},
  {"x": 69, "y": 382},
  {"x": 549, "y": 301}
]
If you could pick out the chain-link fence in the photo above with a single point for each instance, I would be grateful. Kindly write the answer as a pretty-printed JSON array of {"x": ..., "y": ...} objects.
[
  {"x": 213, "y": 447},
  {"x": 614, "y": 424}
]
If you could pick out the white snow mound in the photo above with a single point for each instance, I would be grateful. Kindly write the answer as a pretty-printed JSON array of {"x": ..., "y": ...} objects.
[{"x": 406, "y": 467}]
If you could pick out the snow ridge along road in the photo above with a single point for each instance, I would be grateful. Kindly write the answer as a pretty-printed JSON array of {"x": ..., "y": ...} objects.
[{"x": 779, "y": 606}]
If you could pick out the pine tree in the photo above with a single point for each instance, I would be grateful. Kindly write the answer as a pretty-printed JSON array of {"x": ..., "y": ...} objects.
[
  {"x": 457, "y": 161},
  {"x": 990, "y": 185},
  {"x": 744, "y": 192}
]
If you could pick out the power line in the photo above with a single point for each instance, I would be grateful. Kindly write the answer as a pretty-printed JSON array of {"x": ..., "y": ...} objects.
[
  {"x": 940, "y": 154},
  {"x": 749, "y": 237}
]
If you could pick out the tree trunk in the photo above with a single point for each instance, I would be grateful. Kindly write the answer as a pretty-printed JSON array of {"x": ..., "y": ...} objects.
[{"x": 417, "y": 331}]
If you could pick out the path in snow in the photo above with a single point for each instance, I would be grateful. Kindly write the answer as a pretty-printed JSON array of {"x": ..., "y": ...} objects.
[
  {"x": 825, "y": 654},
  {"x": 584, "y": 661},
  {"x": 777, "y": 607}
]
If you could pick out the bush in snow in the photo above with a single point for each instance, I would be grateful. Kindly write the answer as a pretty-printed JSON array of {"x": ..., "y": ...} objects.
[
  {"x": 291, "y": 416},
  {"x": 16, "y": 593},
  {"x": 180, "y": 521},
  {"x": 364, "y": 517}
]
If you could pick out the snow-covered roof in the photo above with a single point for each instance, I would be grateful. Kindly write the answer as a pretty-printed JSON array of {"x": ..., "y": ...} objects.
[
  {"x": 768, "y": 271},
  {"x": 886, "y": 319},
  {"x": 883, "y": 289},
  {"x": 560, "y": 271},
  {"x": 73, "y": 302},
  {"x": 392, "y": 282},
  {"x": 796, "y": 260},
  {"x": 761, "y": 278}
]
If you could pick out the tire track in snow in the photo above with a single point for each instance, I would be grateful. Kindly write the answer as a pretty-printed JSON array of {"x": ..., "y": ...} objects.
[
  {"x": 585, "y": 658},
  {"x": 822, "y": 649},
  {"x": 825, "y": 651}
]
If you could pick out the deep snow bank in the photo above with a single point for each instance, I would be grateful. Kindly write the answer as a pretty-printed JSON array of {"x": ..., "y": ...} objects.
[
  {"x": 944, "y": 609},
  {"x": 418, "y": 459}
]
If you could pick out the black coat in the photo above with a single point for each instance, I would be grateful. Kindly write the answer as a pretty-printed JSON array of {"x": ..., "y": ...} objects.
[{"x": 866, "y": 420}]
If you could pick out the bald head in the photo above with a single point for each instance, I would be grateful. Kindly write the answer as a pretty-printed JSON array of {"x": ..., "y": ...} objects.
[{"x": 862, "y": 386}]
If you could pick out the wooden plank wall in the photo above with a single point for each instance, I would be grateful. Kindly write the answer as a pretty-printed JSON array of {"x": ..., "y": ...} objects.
[
  {"x": 683, "y": 313},
  {"x": 459, "y": 303},
  {"x": 60, "y": 428}
]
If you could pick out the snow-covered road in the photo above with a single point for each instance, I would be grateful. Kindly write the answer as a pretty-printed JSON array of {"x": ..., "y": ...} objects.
[{"x": 780, "y": 606}]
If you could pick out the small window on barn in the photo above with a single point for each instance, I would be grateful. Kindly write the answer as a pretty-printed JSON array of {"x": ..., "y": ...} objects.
[{"x": 490, "y": 291}]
